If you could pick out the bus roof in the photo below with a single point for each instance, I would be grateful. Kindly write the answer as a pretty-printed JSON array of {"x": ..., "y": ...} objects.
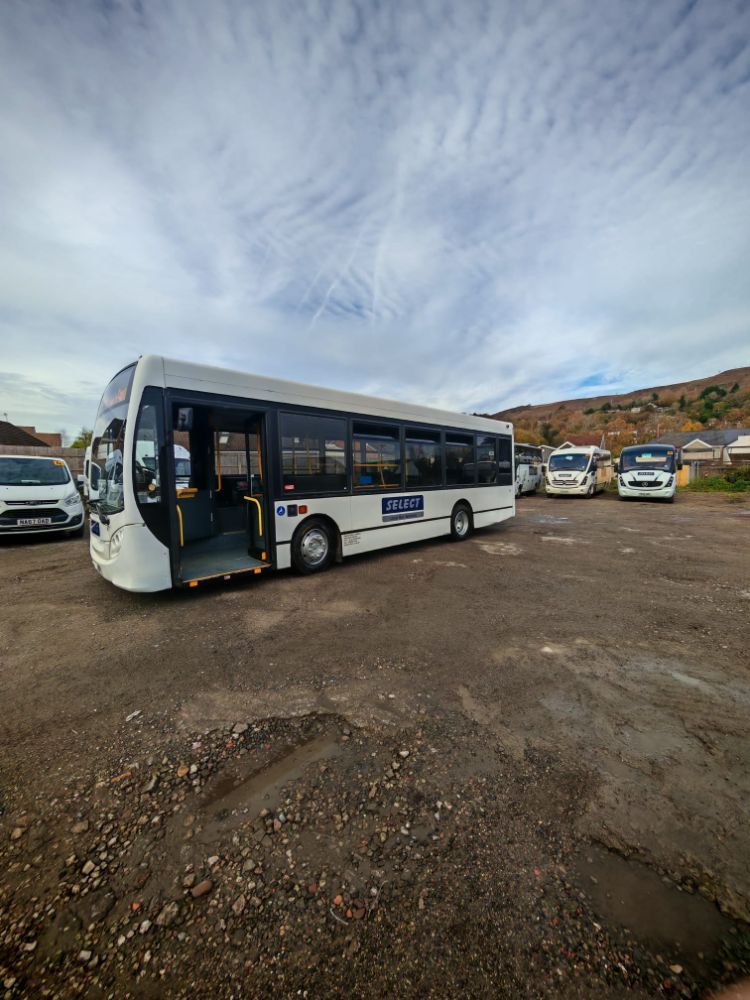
[
  {"x": 651, "y": 447},
  {"x": 207, "y": 378},
  {"x": 580, "y": 449}
]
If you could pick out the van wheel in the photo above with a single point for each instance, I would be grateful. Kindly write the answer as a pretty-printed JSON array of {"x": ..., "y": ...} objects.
[
  {"x": 461, "y": 522},
  {"x": 591, "y": 492},
  {"x": 312, "y": 546}
]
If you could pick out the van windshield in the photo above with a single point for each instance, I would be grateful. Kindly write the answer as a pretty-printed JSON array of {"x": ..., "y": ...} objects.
[
  {"x": 575, "y": 462},
  {"x": 19, "y": 471}
]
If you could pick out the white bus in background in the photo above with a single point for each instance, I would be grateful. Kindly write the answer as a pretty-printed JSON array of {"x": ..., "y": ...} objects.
[
  {"x": 84, "y": 480},
  {"x": 578, "y": 471},
  {"x": 528, "y": 468},
  {"x": 648, "y": 470},
  {"x": 276, "y": 474}
]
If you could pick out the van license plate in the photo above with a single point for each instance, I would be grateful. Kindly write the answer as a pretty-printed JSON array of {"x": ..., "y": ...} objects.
[{"x": 31, "y": 521}]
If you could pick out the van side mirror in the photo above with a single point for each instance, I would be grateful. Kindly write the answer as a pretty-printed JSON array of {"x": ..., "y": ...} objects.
[
  {"x": 679, "y": 465},
  {"x": 81, "y": 479},
  {"x": 616, "y": 466}
]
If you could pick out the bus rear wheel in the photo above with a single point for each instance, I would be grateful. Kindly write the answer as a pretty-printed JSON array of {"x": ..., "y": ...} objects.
[
  {"x": 312, "y": 546},
  {"x": 461, "y": 522}
]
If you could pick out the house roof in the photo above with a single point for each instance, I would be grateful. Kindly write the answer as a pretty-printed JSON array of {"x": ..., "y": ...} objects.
[
  {"x": 10, "y": 434},
  {"x": 714, "y": 438}
]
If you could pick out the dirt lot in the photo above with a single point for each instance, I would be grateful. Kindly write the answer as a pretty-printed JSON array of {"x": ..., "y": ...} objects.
[{"x": 514, "y": 767}]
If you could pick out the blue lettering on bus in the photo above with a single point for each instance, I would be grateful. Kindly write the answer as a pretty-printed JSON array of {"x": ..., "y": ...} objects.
[{"x": 402, "y": 508}]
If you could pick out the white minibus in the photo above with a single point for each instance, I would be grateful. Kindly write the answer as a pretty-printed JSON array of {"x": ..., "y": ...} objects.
[
  {"x": 648, "y": 470},
  {"x": 578, "y": 471},
  {"x": 528, "y": 463},
  {"x": 206, "y": 473}
]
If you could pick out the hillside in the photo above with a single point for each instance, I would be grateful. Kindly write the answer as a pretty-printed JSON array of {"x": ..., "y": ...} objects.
[{"x": 721, "y": 400}]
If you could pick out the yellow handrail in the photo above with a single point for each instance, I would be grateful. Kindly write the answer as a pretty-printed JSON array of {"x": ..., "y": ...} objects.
[
  {"x": 182, "y": 533},
  {"x": 260, "y": 514}
]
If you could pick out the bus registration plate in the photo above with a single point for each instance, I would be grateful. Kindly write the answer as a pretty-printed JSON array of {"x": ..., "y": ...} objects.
[{"x": 402, "y": 508}]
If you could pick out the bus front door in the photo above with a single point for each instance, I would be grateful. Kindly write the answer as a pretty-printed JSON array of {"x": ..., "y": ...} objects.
[
  {"x": 257, "y": 519},
  {"x": 222, "y": 526}
]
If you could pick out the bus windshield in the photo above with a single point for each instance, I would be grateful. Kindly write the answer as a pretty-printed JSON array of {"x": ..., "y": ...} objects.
[
  {"x": 108, "y": 443},
  {"x": 32, "y": 471},
  {"x": 649, "y": 458},
  {"x": 575, "y": 462}
]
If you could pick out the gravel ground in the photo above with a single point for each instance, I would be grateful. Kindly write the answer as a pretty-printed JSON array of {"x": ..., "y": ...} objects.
[{"x": 514, "y": 767}]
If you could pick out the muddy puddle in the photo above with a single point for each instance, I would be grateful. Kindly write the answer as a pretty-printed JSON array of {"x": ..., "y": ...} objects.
[
  {"x": 681, "y": 926},
  {"x": 241, "y": 791}
]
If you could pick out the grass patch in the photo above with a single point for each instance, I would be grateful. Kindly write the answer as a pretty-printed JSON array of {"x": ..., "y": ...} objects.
[{"x": 732, "y": 481}]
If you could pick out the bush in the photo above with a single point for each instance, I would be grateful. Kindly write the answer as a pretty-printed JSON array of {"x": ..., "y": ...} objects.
[{"x": 732, "y": 481}]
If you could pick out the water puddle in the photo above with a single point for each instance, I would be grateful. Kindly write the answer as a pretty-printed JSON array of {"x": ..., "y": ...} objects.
[
  {"x": 677, "y": 924},
  {"x": 238, "y": 794}
]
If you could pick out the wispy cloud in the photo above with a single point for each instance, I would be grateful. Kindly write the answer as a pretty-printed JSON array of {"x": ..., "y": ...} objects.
[{"x": 468, "y": 205}]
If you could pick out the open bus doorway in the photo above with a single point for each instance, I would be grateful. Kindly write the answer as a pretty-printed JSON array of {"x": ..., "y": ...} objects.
[{"x": 220, "y": 507}]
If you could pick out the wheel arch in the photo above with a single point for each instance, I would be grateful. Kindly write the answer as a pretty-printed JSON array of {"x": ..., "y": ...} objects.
[{"x": 463, "y": 502}]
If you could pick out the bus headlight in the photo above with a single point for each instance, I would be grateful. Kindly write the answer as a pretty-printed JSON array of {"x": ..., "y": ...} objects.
[{"x": 115, "y": 543}]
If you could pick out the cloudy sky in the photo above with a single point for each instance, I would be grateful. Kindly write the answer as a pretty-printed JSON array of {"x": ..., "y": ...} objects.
[{"x": 466, "y": 204}]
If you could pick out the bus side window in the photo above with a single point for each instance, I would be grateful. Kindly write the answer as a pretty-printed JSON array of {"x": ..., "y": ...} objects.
[
  {"x": 504, "y": 461},
  {"x": 487, "y": 468},
  {"x": 147, "y": 464}
]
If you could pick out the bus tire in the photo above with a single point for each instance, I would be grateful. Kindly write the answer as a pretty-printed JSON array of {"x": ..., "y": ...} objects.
[
  {"x": 462, "y": 523},
  {"x": 313, "y": 546}
]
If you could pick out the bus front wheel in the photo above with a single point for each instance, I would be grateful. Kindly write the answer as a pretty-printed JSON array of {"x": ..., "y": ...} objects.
[
  {"x": 312, "y": 546},
  {"x": 461, "y": 522}
]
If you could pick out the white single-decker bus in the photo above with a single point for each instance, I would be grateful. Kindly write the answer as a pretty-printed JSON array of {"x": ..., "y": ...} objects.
[
  {"x": 648, "y": 471},
  {"x": 206, "y": 473},
  {"x": 578, "y": 471}
]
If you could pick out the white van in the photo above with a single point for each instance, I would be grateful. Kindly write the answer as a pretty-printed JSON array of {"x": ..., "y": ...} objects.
[
  {"x": 648, "y": 470},
  {"x": 38, "y": 495},
  {"x": 576, "y": 471}
]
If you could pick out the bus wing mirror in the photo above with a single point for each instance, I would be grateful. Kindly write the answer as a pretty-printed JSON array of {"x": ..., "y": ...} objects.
[{"x": 184, "y": 418}]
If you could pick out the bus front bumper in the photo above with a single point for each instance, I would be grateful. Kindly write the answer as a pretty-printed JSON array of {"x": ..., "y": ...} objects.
[
  {"x": 137, "y": 562},
  {"x": 575, "y": 489},
  {"x": 649, "y": 493}
]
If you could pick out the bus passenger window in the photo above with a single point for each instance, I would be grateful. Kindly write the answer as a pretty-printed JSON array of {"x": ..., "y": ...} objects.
[
  {"x": 504, "y": 462},
  {"x": 376, "y": 451},
  {"x": 486, "y": 459},
  {"x": 313, "y": 453},
  {"x": 424, "y": 464},
  {"x": 460, "y": 467}
]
